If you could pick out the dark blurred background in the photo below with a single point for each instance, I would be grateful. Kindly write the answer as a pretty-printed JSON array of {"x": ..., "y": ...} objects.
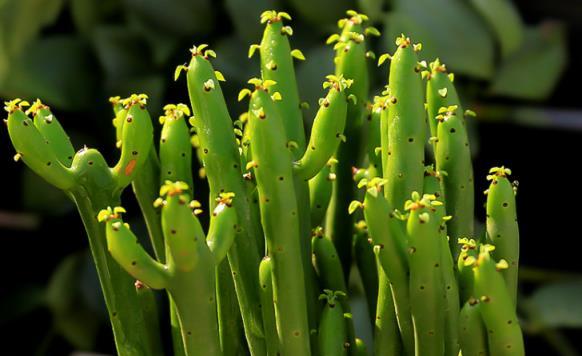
[{"x": 75, "y": 54}]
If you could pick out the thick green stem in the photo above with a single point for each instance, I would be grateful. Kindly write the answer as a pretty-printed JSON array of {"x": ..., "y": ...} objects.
[
  {"x": 175, "y": 329},
  {"x": 387, "y": 339},
  {"x": 229, "y": 319},
  {"x": 146, "y": 187},
  {"x": 366, "y": 262},
  {"x": 195, "y": 296},
  {"x": 125, "y": 312}
]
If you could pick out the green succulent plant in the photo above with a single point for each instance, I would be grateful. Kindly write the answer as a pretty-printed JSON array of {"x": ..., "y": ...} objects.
[{"x": 282, "y": 233}]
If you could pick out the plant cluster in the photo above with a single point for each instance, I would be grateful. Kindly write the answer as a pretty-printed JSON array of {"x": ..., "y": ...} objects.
[{"x": 285, "y": 225}]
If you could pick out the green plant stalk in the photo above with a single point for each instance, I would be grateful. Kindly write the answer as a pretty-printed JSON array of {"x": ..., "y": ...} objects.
[
  {"x": 91, "y": 184},
  {"x": 51, "y": 129},
  {"x": 327, "y": 130},
  {"x": 374, "y": 141},
  {"x": 387, "y": 339},
  {"x": 497, "y": 308},
  {"x": 36, "y": 151},
  {"x": 328, "y": 266},
  {"x": 426, "y": 282},
  {"x": 452, "y": 152},
  {"x": 363, "y": 249},
  {"x": 326, "y": 135},
  {"x": 268, "y": 308},
  {"x": 145, "y": 187},
  {"x": 272, "y": 160},
  {"x": 389, "y": 239},
  {"x": 277, "y": 65},
  {"x": 229, "y": 319},
  {"x": 403, "y": 127},
  {"x": 502, "y": 226},
  {"x": 361, "y": 348},
  {"x": 147, "y": 299},
  {"x": 175, "y": 329},
  {"x": 465, "y": 277},
  {"x": 191, "y": 261},
  {"x": 350, "y": 62},
  {"x": 320, "y": 188},
  {"x": 175, "y": 146},
  {"x": 433, "y": 185},
  {"x": 366, "y": 262},
  {"x": 145, "y": 184},
  {"x": 221, "y": 159},
  {"x": 176, "y": 164},
  {"x": 472, "y": 331},
  {"x": 332, "y": 333},
  {"x": 125, "y": 312},
  {"x": 199, "y": 329}
]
